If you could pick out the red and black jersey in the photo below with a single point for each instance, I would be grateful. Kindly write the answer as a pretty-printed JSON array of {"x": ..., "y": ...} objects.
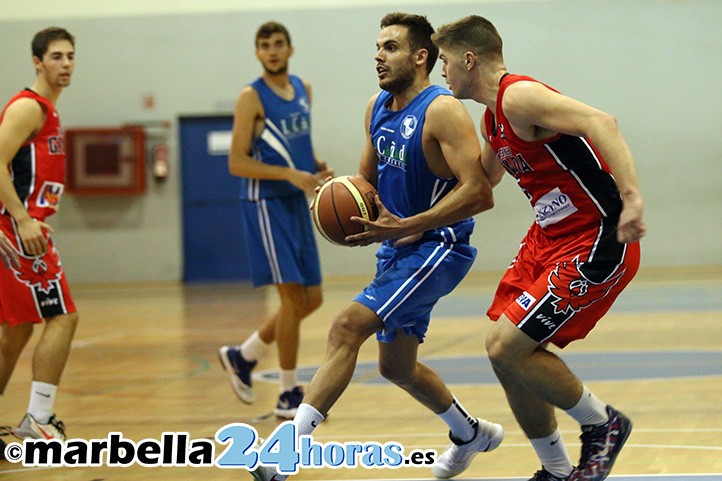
[
  {"x": 38, "y": 169},
  {"x": 567, "y": 182}
]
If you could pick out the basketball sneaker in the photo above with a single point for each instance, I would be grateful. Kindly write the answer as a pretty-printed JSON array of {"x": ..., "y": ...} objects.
[
  {"x": 239, "y": 372},
  {"x": 544, "y": 475},
  {"x": 601, "y": 445},
  {"x": 4, "y": 431},
  {"x": 29, "y": 428},
  {"x": 458, "y": 455},
  {"x": 262, "y": 473},
  {"x": 288, "y": 403}
]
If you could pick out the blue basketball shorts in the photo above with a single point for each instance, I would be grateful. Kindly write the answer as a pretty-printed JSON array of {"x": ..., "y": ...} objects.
[
  {"x": 410, "y": 280},
  {"x": 281, "y": 241}
]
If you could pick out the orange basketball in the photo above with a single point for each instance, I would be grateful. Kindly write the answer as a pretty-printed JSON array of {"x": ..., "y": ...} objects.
[{"x": 337, "y": 201}]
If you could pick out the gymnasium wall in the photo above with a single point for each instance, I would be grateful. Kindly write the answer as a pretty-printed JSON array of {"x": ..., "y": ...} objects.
[{"x": 655, "y": 64}]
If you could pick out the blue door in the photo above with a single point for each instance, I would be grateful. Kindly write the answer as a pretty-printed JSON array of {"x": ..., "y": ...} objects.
[{"x": 213, "y": 241}]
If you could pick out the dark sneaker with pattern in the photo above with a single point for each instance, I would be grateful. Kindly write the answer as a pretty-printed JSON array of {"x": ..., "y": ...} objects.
[
  {"x": 544, "y": 475},
  {"x": 601, "y": 445}
]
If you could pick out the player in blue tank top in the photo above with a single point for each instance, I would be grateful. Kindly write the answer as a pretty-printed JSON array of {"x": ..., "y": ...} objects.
[
  {"x": 272, "y": 152},
  {"x": 285, "y": 140},
  {"x": 423, "y": 155}
]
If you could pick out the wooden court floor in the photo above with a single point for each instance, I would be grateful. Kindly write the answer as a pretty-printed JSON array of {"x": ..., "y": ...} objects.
[{"x": 144, "y": 363}]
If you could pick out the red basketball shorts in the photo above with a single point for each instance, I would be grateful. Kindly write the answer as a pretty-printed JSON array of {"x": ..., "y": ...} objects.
[
  {"x": 36, "y": 291},
  {"x": 556, "y": 289}
]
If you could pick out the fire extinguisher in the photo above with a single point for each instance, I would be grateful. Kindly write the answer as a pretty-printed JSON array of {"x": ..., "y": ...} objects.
[{"x": 161, "y": 165}]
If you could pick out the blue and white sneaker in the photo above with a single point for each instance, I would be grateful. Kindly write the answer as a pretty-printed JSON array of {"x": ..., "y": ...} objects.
[
  {"x": 239, "y": 372},
  {"x": 288, "y": 403}
]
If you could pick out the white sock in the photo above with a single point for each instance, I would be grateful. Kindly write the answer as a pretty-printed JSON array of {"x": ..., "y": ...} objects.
[
  {"x": 307, "y": 419},
  {"x": 289, "y": 380},
  {"x": 589, "y": 411},
  {"x": 553, "y": 454},
  {"x": 42, "y": 400},
  {"x": 253, "y": 347},
  {"x": 461, "y": 424}
]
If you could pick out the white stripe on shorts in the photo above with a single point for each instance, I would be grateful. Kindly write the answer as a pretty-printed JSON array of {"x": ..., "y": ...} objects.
[
  {"x": 264, "y": 223},
  {"x": 414, "y": 275}
]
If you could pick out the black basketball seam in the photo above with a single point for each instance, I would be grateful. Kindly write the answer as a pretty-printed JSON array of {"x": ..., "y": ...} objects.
[
  {"x": 333, "y": 203},
  {"x": 335, "y": 212}
]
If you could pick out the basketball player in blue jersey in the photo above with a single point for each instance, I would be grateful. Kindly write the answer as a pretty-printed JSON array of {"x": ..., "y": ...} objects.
[
  {"x": 423, "y": 155},
  {"x": 271, "y": 151}
]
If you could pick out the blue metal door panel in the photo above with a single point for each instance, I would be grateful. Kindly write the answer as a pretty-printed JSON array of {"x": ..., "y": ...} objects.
[{"x": 213, "y": 240}]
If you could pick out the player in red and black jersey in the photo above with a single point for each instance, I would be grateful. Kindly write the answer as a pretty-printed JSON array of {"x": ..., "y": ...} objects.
[
  {"x": 32, "y": 169},
  {"x": 574, "y": 166}
]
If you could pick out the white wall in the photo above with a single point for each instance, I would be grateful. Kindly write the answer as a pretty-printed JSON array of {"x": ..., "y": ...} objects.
[
  {"x": 655, "y": 64},
  {"x": 42, "y": 9}
]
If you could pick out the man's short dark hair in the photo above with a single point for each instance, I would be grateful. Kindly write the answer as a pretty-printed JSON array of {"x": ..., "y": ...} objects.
[
  {"x": 420, "y": 31},
  {"x": 43, "y": 39},
  {"x": 269, "y": 28},
  {"x": 473, "y": 33}
]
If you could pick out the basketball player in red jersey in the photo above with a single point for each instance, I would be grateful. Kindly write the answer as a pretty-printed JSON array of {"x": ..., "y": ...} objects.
[
  {"x": 32, "y": 168},
  {"x": 579, "y": 175}
]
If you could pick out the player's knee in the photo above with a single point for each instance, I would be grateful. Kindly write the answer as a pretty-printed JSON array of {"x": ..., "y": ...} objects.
[
  {"x": 341, "y": 330},
  {"x": 72, "y": 319},
  {"x": 395, "y": 375},
  {"x": 313, "y": 302},
  {"x": 496, "y": 349},
  {"x": 14, "y": 339},
  {"x": 68, "y": 322},
  {"x": 345, "y": 331}
]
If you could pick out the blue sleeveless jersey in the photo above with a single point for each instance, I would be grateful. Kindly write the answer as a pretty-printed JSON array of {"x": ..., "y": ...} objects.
[
  {"x": 285, "y": 140},
  {"x": 406, "y": 185}
]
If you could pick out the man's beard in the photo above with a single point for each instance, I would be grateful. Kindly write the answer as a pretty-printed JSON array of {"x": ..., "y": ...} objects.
[
  {"x": 283, "y": 70},
  {"x": 400, "y": 82}
]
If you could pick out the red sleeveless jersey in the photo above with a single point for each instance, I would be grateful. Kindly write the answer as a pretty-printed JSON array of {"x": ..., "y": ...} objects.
[
  {"x": 38, "y": 169},
  {"x": 567, "y": 182}
]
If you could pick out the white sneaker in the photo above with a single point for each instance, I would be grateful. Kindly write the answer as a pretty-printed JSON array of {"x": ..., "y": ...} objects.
[
  {"x": 29, "y": 428},
  {"x": 262, "y": 473},
  {"x": 457, "y": 457}
]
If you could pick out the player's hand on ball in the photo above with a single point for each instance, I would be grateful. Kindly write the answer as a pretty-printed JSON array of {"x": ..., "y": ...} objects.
[
  {"x": 337, "y": 201},
  {"x": 386, "y": 226}
]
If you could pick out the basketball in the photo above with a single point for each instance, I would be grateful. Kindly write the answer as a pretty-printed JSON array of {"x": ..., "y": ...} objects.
[{"x": 337, "y": 201}]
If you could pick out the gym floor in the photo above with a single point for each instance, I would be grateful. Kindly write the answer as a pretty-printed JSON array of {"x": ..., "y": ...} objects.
[{"x": 144, "y": 363}]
